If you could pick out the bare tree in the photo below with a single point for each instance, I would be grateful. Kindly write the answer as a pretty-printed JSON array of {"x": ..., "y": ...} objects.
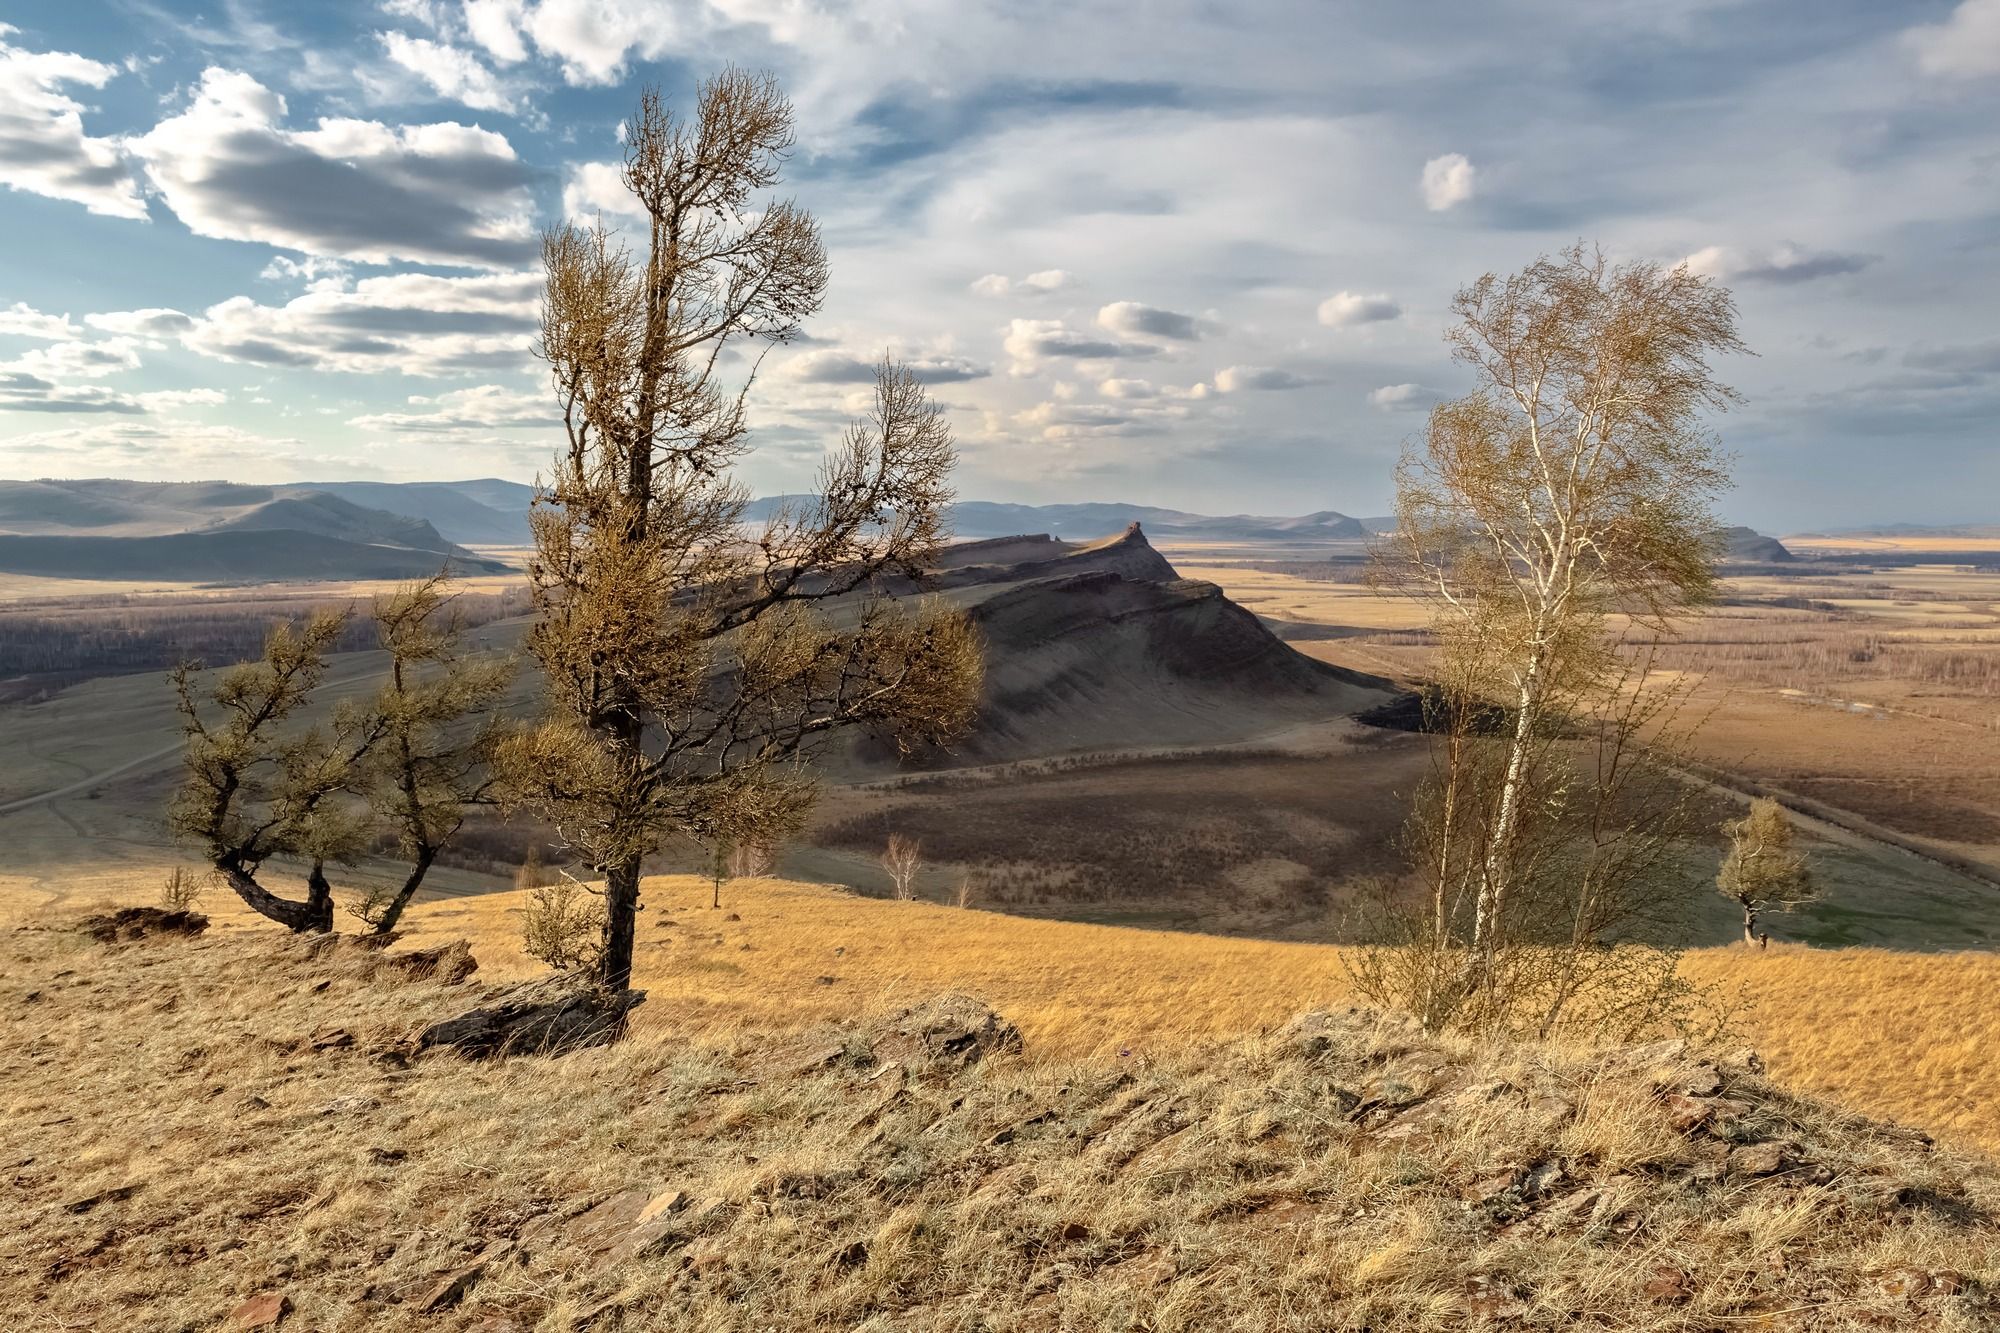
[
  {"x": 752, "y": 859},
  {"x": 438, "y": 729},
  {"x": 688, "y": 668},
  {"x": 1571, "y": 484},
  {"x": 1763, "y": 871},
  {"x": 902, "y": 858}
]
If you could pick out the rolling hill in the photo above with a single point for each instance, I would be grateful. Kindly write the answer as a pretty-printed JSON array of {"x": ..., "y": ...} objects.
[{"x": 213, "y": 532}]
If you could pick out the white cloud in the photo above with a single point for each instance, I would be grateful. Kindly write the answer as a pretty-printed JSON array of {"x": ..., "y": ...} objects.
[
  {"x": 1785, "y": 264},
  {"x": 1030, "y": 341},
  {"x": 1082, "y": 421},
  {"x": 351, "y": 189},
  {"x": 1134, "y": 319},
  {"x": 1237, "y": 379},
  {"x": 153, "y": 324},
  {"x": 1128, "y": 389},
  {"x": 1393, "y": 397},
  {"x": 76, "y": 359},
  {"x": 1344, "y": 309},
  {"x": 1048, "y": 281},
  {"x": 22, "y": 320},
  {"x": 404, "y": 323},
  {"x": 599, "y": 187},
  {"x": 834, "y": 366},
  {"x": 183, "y": 449},
  {"x": 496, "y": 25},
  {"x": 1447, "y": 182},
  {"x": 452, "y": 73},
  {"x": 168, "y": 398},
  {"x": 1965, "y": 46},
  {"x": 43, "y": 148},
  {"x": 485, "y": 407}
]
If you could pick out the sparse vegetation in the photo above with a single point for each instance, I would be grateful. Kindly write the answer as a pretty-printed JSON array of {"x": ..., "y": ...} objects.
[
  {"x": 183, "y": 890},
  {"x": 902, "y": 858},
  {"x": 562, "y": 924},
  {"x": 809, "y": 1169}
]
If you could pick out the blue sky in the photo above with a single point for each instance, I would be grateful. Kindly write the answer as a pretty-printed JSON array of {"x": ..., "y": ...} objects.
[{"x": 1192, "y": 253}]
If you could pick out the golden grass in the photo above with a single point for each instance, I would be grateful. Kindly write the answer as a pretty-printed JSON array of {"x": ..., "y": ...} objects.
[
  {"x": 178, "y": 1139},
  {"x": 1904, "y": 1036}
]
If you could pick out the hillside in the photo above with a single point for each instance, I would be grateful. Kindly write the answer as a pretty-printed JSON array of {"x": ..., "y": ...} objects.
[
  {"x": 802, "y": 1132},
  {"x": 1103, "y": 645},
  {"x": 212, "y": 532},
  {"x": 1747, "y": 546}
]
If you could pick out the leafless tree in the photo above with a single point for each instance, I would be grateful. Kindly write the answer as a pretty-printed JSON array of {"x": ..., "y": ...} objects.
[
  {"x": 1764, "y": 870},
  {"x": 902, "y": 858},
  {"x": 688, "y": 668}
]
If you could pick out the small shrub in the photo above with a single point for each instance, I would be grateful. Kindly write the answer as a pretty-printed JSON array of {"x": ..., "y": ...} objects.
[
  {"x": 563, "y": 925},
  {"x": 183, "y": 889}
]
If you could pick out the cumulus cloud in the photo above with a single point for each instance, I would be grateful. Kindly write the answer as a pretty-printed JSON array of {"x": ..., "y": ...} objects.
[
  {"x": 1965, "y": 46},
  {"x": 1132, "y": 318},
  {"x": 22, "y": 320},
  {"x": 1786, "y": 264},
  {"x": 1030, "y": 341},
  {"x": 451, "y": 72},
  {"x": 21, "y": 391},
  {"x": 598, "y": 187},
  {"x": 1035, "y": 284},
  {"x": 496, "y": 25},
  {"x": 1239, "y": 379},
  {"x": 75, "y": 359},
  {"x": 170, "y": 398},
  {"x": 1343, "y": 309},
  {"x": 484, "y": 407},
  {"x": 1447, "y": 182},
  {"x": 1083, "y": 421},
  {"x": 1398, "y": 397},
  {"x": 153, "y": 324},
  {"x": 182, "y": 449},
  {"x": 403, "y": 323},
  {"x": 43, "y": 148},
  {"x": 349, "y": 189},
  {"x": 1128, "y": 388},
  {"x": 833, "y": 366}
]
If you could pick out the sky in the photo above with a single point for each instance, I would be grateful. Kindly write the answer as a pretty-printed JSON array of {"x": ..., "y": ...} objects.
[{"x": 1195, "y": 253}]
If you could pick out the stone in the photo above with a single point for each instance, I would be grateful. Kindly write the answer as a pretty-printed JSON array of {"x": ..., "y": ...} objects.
[
  {"x": 1758, "y": 1159},
  {"x": 1667, "y": 1283},
  {"x": 262, "y": 1311},
  {"x": 451, "y": 1288},
  {"x": 1702, "y": 1080},
  {"x": 354, "y": 1104},
  {"x": 954, "y": 1031},
  {"x": 1687, "y": 1114},
  {"x": 447, "y": 964},
  {"x": 330, "y": 1039},
  {"x": 552, "y": 1016},
  {"x": 1073, "y": 1231}
]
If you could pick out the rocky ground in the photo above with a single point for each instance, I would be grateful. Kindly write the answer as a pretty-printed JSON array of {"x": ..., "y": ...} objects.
[{"x": 244, "y": 1131}]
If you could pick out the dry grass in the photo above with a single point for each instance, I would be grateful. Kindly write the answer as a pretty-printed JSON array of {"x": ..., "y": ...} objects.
[
  {"x": 176, "y": 1144},
  {"x": 1903, "y": 1036}
]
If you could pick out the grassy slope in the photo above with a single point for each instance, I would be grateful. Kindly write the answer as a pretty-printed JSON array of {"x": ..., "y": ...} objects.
[{"x": 175, "y": 1145}]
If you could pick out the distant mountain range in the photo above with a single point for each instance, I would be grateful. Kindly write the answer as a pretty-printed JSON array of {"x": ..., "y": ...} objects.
[
  {"x": 218, "y": 531},
  {"x": 204, "y": 532}
]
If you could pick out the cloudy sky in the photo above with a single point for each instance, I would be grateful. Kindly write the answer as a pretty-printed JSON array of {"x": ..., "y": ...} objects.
[{"x": 1194, "y": 253}]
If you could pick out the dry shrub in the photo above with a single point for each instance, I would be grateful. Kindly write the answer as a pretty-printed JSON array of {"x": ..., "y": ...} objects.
[
  {"x": 183, "y": 889},
  {"x": 563, "y": 924}
]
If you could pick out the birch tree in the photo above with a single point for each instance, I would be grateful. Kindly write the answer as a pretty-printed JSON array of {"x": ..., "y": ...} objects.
[{"x": 1570, "y": 489}]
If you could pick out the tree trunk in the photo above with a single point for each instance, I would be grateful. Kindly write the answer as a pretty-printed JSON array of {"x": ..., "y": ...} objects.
[
  {"x": 394, "y": 911},
  {"x": 1749, "y": 924},
  {"x": 1499, "y": 874},
  {"x": 316, "y": 913},
  {"x": 621, "y": 920}
]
